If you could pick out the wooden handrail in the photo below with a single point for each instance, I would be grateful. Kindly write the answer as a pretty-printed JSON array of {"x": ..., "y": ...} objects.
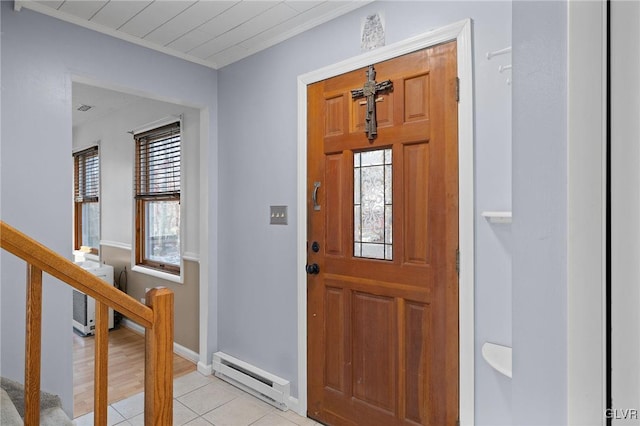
[
  {"x": 65, "y": 270},
  {"x": 156, "y": 317}
]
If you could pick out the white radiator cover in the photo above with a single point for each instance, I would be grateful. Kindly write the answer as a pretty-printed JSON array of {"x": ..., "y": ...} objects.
[
  {"x": 84, "y": 307},
  {"x": 266, "y": 386}
]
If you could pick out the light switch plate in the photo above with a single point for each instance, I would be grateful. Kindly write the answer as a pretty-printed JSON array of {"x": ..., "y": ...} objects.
[{"x": 278, "y": 215}]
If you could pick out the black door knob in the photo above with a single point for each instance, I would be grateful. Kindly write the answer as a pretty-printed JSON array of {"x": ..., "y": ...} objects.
[{"x": 313, "y": 269}]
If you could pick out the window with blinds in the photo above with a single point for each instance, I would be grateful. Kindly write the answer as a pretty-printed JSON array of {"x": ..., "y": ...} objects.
[
  {"x": 157, "y": 194},
  {"x": 86, "y": 199},
  {"x": 158, "y": 163}
]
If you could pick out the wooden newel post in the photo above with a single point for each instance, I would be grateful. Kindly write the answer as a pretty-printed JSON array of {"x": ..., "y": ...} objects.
[{"x": 158, "y": 380}]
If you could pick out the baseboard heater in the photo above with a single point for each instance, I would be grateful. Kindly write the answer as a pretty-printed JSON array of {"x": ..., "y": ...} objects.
[{"x": 271, "y": 389}]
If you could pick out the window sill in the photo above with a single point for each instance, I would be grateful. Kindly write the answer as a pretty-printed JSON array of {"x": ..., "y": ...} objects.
[
  {"x": 158, "y": 274},
  {"x": 80, "y": 256}
]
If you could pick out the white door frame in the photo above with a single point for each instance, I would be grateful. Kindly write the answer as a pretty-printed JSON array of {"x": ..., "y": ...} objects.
[
  {"x": 586, "y": 213},
  {"x": 461, "y": 32},
  {"x": 625, "y": 209}
]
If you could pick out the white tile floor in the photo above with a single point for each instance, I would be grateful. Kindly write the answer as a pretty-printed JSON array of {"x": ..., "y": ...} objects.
[{"x": 203, "y": 401}]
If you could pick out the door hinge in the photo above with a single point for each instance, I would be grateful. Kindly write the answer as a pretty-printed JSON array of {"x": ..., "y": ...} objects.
[
  {"x": 458, "y": 261},
  {"x": 457, "y": 89}
]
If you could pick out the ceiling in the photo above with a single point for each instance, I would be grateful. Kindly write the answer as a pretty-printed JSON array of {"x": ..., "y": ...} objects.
[
  {"x": 213, "y": 33},
  {"x": 102, "y": 102}
]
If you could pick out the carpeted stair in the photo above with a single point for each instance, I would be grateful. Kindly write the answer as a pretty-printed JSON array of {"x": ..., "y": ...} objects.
[{"x": 12, "y": 406}]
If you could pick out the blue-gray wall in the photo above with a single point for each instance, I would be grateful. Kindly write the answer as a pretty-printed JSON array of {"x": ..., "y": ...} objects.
[
  {"x": 254, "y": 263},
  {"x": 258, "y": 148},
  {"x": 39, "y": 57},
  {"x": 540, "y": 213}
]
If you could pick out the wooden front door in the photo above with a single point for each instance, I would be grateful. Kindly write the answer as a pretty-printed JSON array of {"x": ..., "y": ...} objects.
[{"x": 382, "y": 245}]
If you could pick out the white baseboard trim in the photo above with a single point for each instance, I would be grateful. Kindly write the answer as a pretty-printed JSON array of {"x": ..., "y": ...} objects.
[
  {"x": 126, "y": 322},
  {"x": 294, "y": 405},
  {"x": 178, "y": 349},
  {"x": 206, "y": 369},
  {"x": 186, "y": 353}
]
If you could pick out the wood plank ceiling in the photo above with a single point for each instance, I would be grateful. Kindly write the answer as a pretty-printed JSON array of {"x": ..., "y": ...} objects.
[{"x": 213, "y": 33}]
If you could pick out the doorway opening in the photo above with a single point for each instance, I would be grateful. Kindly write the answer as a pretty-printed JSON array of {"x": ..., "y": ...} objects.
[{"x": 104, "y": 118}]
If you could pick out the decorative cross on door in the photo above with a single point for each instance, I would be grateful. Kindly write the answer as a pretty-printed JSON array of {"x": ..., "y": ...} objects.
[{"x": 369, "y": 90}]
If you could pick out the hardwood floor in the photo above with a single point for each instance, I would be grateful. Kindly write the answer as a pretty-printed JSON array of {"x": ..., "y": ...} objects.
[{"x": 126, "y": 368}]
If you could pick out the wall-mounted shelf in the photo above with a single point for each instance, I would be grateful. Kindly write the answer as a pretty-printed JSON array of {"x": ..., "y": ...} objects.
[
  {"x": 498, "y": 216},
  {"x": 499, "y": 357}
]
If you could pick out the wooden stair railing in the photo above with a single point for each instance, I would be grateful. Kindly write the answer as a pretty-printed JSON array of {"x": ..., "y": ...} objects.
[{"x": 156, "y": 317}]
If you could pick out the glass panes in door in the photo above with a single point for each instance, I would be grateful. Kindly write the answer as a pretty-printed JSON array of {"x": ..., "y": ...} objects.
[{"x": 372, "y": 204}]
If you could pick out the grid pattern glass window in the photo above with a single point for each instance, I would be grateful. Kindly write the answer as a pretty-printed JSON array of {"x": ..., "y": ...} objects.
[
  {"x": 86, "y": 192},
  {"x": 157, "y": 194},
  {"x": 372, "y": 204}
]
